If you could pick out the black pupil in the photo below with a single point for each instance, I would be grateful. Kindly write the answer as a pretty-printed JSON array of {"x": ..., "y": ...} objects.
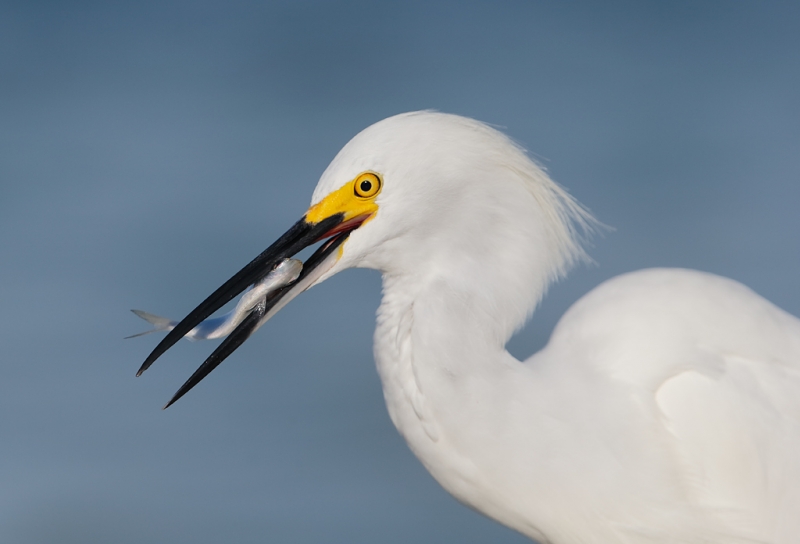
[{"x": 366, "y": 186}]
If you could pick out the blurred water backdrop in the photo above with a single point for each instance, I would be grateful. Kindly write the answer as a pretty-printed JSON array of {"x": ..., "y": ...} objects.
[{"x": 150, "y": 149}]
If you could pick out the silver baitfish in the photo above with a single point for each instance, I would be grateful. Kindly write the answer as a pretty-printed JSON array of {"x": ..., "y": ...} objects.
[{"x": 217, "y": 327}]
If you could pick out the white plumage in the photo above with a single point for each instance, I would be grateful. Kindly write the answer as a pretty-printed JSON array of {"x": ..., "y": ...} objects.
[
  {"x": 666, "y": 406},
  {"x": 664, "y": 409}
]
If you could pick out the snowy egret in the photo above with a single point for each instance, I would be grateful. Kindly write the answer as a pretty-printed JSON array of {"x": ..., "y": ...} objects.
[{"x": 664, "y": 409}]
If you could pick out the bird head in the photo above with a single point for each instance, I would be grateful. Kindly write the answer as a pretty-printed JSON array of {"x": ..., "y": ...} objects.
[{"x": 426, "y": 195}]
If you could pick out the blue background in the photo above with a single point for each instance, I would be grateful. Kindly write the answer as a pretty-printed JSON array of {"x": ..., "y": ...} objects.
[{"x": 150, "y": 149}]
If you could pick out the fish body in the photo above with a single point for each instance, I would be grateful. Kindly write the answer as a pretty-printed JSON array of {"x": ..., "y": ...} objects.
[{"x": 217, "y": 327}]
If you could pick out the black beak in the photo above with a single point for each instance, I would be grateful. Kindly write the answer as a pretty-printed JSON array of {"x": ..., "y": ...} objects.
[{"x": 301, "y": 235}]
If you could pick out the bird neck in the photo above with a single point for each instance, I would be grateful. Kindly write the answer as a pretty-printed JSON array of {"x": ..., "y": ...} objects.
[
  {"x": 444, "y": 320},
  {"x": 430, "y": 337},
  {"x": 446, "y": 377}
]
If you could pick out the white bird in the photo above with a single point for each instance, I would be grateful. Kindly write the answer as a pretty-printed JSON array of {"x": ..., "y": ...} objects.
[{"x": 664, "y": 409}]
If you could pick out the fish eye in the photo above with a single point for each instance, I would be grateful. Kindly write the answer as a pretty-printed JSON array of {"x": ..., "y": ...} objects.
[{"x": 367, "y": 185}]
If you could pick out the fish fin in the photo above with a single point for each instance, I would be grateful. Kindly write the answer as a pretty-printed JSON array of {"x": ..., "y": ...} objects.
[{"x": 159, "y": 323}]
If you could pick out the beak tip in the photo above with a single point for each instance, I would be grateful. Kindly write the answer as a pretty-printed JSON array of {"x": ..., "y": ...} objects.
[{"x": 174, "y": 398}]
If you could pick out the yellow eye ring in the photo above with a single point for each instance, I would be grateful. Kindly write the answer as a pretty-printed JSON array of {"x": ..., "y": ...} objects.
[{"x": 367, "y": 185}]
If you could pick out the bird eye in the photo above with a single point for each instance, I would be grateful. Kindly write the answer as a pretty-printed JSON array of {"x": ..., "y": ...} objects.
[{"x": 367, "y": 185}]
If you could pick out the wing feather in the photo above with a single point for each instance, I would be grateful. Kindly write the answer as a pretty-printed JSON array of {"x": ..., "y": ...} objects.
[{"x": 736, "y": 438}]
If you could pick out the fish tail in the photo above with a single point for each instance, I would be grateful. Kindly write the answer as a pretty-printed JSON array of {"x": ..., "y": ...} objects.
[{"x": 159, "y": 323}]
